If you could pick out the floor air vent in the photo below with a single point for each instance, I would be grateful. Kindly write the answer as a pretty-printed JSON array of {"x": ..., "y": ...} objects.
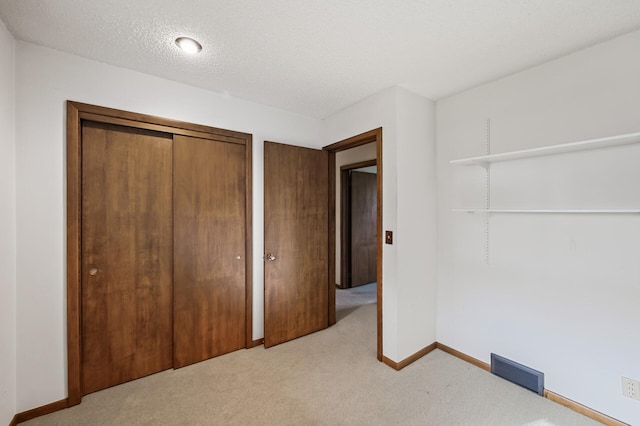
[{"x": 517, "y": 373}]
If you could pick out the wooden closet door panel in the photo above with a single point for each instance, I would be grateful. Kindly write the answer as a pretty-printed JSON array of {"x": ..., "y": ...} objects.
[
  {"x": 209, "y": 247},
  {"x": 126, "y": 254},
  {"x": 363, "y": 228},
  {"x": 296, "y": 221}
]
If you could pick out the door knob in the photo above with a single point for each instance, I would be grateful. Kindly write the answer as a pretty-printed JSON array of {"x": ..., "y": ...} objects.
[
  {"x": 271, "y": 257},
  {"x": 93, "y": 271}
]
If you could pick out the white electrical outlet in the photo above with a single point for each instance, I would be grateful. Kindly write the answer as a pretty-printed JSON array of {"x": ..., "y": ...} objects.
[{"x": 630, "y": 388}]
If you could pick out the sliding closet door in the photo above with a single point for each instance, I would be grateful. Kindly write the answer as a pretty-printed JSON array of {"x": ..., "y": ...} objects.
[
  {"x": 209, "y": 248},
  {"x": 126, "y": 258}
]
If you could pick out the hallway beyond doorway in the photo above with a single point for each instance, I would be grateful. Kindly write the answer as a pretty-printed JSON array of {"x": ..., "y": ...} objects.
[{"x": 348, "y": 300}]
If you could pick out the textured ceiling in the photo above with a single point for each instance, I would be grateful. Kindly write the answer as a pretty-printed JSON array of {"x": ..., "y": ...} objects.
[{"x": 316, "y": 57}]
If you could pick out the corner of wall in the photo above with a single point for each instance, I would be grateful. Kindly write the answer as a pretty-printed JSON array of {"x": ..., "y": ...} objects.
[
  {"x": 417, "y": 222},
  {"x": 7, "y": 229}
]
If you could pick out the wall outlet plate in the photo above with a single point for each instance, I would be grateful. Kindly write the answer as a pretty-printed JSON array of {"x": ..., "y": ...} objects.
[{"x": 630, "y": 388}]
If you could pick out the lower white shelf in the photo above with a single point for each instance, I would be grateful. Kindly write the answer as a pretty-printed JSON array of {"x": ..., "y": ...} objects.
[{"x": 578, "y": 211}]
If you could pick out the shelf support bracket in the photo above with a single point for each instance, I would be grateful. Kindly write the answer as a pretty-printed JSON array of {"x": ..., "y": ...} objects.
[{"x": 487, "y": 168}]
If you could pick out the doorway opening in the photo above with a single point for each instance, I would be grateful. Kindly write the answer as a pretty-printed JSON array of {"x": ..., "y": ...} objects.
[
  {"x": 358, "y": 193},
  {"x": 373, "y": 137}
]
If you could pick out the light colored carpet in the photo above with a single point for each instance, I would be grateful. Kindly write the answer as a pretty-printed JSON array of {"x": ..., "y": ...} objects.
[
  {"x": 328, "y": 378},
  {"x": 347, "y": 301}
]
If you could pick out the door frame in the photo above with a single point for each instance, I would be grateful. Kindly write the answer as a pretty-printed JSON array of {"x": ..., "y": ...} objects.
[
  {"x": 78, "y": 112},
  {"x": 374, "y": 135},
  {"x": 345, "y": 219}
]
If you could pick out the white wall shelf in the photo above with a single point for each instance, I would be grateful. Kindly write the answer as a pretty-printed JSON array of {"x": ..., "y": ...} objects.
[
  {"x": 619, "y": 140},
  {"x": 600, "y": 211},
  {"x": 486, "y": 160}
]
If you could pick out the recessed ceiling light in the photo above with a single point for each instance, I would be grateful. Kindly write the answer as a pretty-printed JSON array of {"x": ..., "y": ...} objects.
[{"x": 189, "y": 45}]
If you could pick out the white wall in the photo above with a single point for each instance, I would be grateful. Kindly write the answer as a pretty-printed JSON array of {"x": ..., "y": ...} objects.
[
  {"x": 45, "y": 79},
  {"x": 560, "y": 292},
  {"x": 417, "y": 223},
  {"x": 408, "y": 148},
  {"x": 349, "y": 156},
  {"x": 7, "y": 229}
]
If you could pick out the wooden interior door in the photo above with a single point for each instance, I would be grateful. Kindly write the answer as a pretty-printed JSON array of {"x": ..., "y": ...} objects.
[
  {"x": 126, "y": 259},
  {"x": 363, "y": 193},
  {"x": 296, "y": 242},
  {"x": 209, "y": 249}
]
